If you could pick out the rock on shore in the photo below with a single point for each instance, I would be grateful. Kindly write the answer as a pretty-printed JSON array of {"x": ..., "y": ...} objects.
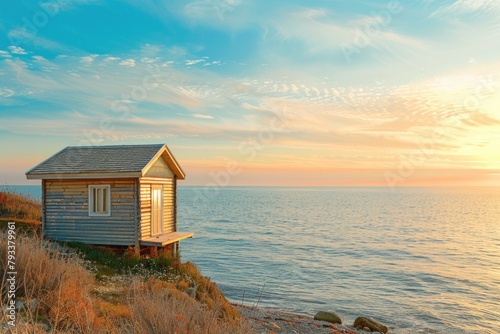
[
  {"x": 328, "y": 316},
  {"x": 373, "y": 325}
]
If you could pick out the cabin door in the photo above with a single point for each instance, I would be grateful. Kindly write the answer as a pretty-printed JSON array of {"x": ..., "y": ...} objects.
[{"x": 156, "y": 210}]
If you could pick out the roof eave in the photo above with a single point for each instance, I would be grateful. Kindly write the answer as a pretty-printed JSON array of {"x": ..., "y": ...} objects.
[
  {"x": 73, "y": 176},
  {"x": 179, "y": 173},
  {"x": 29, "y": 172}
]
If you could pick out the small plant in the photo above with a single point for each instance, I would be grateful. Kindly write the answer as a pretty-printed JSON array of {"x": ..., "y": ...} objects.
[{"x": 182, "y": 285}]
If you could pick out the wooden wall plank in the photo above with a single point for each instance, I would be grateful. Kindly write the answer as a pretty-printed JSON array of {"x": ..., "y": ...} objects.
[{"x": 67, "y": 216}]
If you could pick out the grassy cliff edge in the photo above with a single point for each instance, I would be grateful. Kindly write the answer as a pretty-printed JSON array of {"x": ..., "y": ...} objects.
[
  {"x": 19, "y": 208},
  {"x": 77, "y": 288}
]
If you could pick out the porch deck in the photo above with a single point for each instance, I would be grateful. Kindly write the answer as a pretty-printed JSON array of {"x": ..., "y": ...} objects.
[{"x": 166, "y": 239}]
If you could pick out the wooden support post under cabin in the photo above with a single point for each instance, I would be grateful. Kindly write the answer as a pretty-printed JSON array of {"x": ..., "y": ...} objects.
[
  {"x": 167, "y": 250},
  {"x": 153, "y": 251},
  {"x": 131, "y": 250},
  {"x": 176, "y": 249}
]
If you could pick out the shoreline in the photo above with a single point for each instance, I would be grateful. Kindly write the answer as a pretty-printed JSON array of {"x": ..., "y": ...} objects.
[{"x": 265, "y": 320}]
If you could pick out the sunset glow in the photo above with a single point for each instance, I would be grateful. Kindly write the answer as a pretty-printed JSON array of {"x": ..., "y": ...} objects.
[{"x": 259, "y": 93}]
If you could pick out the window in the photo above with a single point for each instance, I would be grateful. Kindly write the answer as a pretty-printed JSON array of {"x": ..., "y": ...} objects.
[{"x": 99, "y": 200}]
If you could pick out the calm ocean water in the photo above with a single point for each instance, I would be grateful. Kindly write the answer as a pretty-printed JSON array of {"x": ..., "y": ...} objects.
[{"x": 421, "y": 260}]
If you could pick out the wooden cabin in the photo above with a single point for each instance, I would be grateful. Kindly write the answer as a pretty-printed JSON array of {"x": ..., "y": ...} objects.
[{"x": 112, "y": 195}]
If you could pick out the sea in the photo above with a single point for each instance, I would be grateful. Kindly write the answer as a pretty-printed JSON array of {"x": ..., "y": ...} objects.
[{"x": 418, "y": 259}]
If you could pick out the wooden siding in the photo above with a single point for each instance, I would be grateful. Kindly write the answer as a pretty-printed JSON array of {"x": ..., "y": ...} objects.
[
  {"x": 67, "y": 216},
  {"x": 175, "y": 202},
  {"x": 145, "y": 207},
  {"x": 168, "y": 207},
  {"x": 137, "y": 215},
  {"x": 43, "y": 207}
]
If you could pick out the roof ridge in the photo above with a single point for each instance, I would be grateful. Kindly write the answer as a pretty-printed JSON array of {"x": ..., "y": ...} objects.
[{"x": 108, "y": 146}]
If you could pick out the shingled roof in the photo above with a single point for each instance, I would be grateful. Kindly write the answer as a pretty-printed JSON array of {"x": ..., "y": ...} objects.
[{"x": 104, "y": 161}]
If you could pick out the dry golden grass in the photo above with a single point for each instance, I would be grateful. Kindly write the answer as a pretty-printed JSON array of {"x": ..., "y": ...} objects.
[
  {"x": 55, "y": 287},
  {"x": 57, "y": 292},
  {"x": 15, "y": 206},
  {"x": 208, "y": 293},
  {"x": 161, "y": 308},
  {"x": 182, "y": 285}
]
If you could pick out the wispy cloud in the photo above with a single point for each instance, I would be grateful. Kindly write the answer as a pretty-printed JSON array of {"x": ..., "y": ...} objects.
[
  {"x": 5, "y": 92},
  {"x": 17, "y": 50},
  {"x": 88, "y": 59},
  {"x": 194, "y": 62},
  {"x": 203, "y": 116},
  {"x": 217, "y": 62},
  {"x": 211, "y": 9},
  {"x": 39, "y": 58},
  {"x": 327, "y": 33},
  {"x": 5, "y": 54},
  {"x": 128, "y": 62},
  {"x": 148, "y": 60},
  {"x": 459, "y": 7},
  {"x": 23, "y": 36}
]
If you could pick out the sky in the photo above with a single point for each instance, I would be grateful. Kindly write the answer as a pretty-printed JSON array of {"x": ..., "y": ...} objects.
[{"x": 344, "y": 93}]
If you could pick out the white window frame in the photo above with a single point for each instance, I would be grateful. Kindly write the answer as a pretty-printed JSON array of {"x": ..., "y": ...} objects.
[{"x": 92, "y": 204}]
